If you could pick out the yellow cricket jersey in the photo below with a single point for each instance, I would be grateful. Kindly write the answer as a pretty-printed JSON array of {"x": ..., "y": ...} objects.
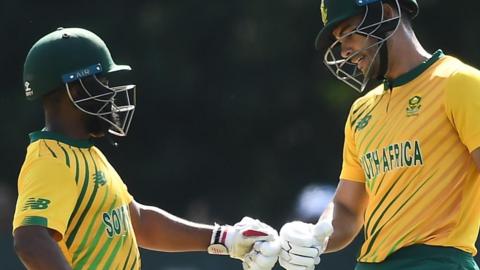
[
  {"x": 410, "y": 143},
  {"x": 69, "y": 186}
]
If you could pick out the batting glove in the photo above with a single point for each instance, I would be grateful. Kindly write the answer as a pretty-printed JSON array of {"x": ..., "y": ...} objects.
[
  {"x": 303, "y": 243},
  {"x": 263, "y": 256},
  {"x": 238, "y": 240}
]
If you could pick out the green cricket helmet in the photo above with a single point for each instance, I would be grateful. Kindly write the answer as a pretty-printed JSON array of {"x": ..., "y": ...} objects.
[
  {"x": 373, "y": 25},
  {"x": 77, "y": 56}
]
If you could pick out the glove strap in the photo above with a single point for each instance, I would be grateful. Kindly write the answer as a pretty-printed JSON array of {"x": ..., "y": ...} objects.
[{"x": 217, "y": 242}]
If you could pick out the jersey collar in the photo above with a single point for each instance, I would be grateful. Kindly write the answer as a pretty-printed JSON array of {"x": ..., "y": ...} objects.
[
  {"x": 414, "y": 73},
  {"x": 38, "y": 135}
]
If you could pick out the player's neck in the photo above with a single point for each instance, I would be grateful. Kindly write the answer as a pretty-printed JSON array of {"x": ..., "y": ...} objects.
[
  {"x": 405, "y": 53},
  {"x": 70, "y": 132},
  {"x": 62, "y": 123}
]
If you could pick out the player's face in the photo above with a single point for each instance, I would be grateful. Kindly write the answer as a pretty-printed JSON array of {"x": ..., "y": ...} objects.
[
  {"x": 361, "y": 47},
  {"x": 107, "y": 108},
  {"x": 92, "y": 124}
]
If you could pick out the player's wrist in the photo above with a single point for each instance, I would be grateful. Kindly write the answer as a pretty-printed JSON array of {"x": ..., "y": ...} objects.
[
  {"x": 218, "y": 241},
  {"x": 322, "y": 232}
]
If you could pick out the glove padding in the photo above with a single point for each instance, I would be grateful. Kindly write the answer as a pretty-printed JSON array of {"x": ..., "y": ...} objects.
[
  {"x": 303, "y": 243},
  {"x": 263, "y": 256},
  {"x": 242, "y": 236}
]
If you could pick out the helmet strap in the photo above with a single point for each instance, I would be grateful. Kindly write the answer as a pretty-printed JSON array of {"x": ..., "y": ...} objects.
[
  {"x": 382, "y": 71},
  {"x": 374, "y": 25}
]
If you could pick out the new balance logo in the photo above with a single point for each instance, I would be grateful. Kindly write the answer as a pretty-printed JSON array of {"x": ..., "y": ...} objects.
[
  {"x": 363, "y": 123},
  {"x": 99, "y": 178},
  {"x": 36, "y": 204}
]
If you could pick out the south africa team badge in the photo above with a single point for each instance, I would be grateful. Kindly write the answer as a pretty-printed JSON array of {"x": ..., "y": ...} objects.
[{"x": 414, "y": 106}]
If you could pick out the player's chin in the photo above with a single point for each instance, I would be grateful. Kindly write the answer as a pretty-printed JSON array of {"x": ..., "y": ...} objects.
[
  {"x": 373, "y": 72},
  {"x": 97, "y": 134},
  {"x": 96, "y": 126}
]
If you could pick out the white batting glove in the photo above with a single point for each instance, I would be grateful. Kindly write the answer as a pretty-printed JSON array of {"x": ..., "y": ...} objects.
[
  {"x": 263, "y": 256},
  {"x": 238, "y": 240},
  {"x": 303, "y": 243}
]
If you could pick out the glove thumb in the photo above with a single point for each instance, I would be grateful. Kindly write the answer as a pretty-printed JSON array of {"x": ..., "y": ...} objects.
[{"x": 322, "y": 230}]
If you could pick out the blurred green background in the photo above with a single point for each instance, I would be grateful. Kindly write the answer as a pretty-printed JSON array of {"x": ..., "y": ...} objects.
[{"x": 236, "y": 113}]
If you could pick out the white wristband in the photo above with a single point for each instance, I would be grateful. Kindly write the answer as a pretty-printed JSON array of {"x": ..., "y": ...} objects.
[{"x": 217, "y": 241}]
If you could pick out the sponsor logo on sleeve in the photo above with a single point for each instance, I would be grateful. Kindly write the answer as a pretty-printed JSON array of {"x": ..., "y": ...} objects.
[{"x": 36, "y": 204}]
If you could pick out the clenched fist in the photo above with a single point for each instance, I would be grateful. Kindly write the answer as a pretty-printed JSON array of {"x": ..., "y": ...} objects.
[{"x": 303, "y": 243}]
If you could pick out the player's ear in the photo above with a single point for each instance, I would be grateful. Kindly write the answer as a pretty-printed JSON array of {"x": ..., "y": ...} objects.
[
  {"x": 389, "y": 11},
  {"x": 55, "y": 97},
  {"x": 73, "y": 89}
]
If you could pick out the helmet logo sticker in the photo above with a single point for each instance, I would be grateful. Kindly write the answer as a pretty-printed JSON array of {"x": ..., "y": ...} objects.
[
  {"x": 28, "y": 90},
  {"x": 323, "y": 9},
  {"x": 82, "y": 73}
]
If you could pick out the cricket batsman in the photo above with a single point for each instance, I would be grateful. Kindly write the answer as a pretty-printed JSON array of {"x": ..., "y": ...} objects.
[
  {"x": 410, "y": 178},
  {"x": 73, "y": 210}
]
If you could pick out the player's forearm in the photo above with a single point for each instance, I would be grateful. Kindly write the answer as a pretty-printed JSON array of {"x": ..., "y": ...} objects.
[
  {"x": 37, "y": 250},
  {"x": 346, "y": 226},
  {"x": 158, "y": 230}
]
